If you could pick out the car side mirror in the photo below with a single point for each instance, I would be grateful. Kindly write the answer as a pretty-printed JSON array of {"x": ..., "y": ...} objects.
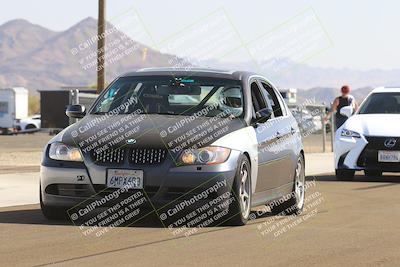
[
  {"x": 75, "y": 111},
  {"x": 263, "y": 115},
  {"x": 346, "y": 111}
]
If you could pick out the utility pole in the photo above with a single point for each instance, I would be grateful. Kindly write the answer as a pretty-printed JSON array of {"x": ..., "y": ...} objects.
[{"x": 101, "y": 27}]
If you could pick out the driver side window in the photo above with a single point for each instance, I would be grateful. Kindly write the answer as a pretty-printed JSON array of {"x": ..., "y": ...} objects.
[
  {"x": 257, "y": 97},
  {"x": 273, "y": 100}
]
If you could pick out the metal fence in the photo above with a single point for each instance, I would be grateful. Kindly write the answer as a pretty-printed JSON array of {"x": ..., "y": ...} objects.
[{"x": 317, "y": 135}]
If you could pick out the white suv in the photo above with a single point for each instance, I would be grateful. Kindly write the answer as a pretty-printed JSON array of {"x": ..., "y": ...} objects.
[{"x": 370, "y": 139}]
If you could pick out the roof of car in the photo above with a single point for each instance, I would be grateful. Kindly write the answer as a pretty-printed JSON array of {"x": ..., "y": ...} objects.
[
  {"x": 391, "y": 89},
  {"x": 202, "y": 72}
]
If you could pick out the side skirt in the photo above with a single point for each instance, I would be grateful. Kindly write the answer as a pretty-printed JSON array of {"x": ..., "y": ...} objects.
[{"x": 262, "y": 198}]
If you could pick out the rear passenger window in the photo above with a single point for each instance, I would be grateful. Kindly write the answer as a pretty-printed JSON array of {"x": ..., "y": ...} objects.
[
  {"x": 257, "y": 97},
  {"x": 274, "y": 100}
]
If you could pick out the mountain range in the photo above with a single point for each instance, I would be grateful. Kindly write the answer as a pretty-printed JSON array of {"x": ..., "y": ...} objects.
[
  {"x": 38, "y": 59},
  {"x": 326, "y": 95}
]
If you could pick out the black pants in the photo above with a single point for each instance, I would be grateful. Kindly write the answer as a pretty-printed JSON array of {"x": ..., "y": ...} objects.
[{"x": 339, "y": 122}]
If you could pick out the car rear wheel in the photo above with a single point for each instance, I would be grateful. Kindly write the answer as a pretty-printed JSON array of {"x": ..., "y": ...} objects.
[
  {"x": 293, "y": 203},
  {"x": 30, "y": 128},
  {"x": 344, "y": 175},
  {"x": 239, "y": 209},
  {"x": 373, "y": 173}
]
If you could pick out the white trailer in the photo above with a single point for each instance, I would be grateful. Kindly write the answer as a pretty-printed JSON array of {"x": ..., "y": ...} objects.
[{"x": 13, "y": 107}]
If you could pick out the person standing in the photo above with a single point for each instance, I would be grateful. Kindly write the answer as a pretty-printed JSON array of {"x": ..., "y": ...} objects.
[{"x": 342, "y": 101}]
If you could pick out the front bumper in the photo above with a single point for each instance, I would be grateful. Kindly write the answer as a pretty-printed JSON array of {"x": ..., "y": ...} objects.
[
  {"x": 163, "y": 184},
  {"x": 362, "y": 154}
]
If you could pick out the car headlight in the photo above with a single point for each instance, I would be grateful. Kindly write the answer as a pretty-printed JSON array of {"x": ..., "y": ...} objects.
[
  {"x": 206, "y": 155},
  {"x": 60, "y": 151},
  {"x": 348, "y": 133}
]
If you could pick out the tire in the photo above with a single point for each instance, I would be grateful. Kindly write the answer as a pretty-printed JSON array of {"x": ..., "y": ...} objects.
[
  {"x": 5, "y": 131},
  {"x": 373, "y": 173},
  {"x": 239, "y": 210},
  {"x": 30, "y": 127},
  {"x": 52, "y": 213},
  {"x": 344, "y": 175},
  {"x": 295, "y": 201}
]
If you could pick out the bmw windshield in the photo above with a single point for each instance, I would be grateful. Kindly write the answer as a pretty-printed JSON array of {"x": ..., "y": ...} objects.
[
  {"x": 381, "y": 103},
  {"x": 172, "y": 95}
]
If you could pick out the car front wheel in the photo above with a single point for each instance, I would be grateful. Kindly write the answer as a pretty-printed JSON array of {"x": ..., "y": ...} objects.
[
  {"x": 52, "y": 213},
  {"x": 239, "y": 209}
]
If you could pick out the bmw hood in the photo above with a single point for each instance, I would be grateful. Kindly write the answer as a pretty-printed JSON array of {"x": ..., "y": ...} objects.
[
  {"x": 100, "y": 132},
  {"x": 374, "y": 124}
]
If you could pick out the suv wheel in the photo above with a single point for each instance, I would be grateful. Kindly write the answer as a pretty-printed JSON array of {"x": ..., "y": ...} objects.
[
  {"x": 373, "y": 173},
  {"x": 344, "y": 175}
]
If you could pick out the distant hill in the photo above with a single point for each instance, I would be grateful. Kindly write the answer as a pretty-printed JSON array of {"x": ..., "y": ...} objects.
[
  {"x": 19, "y": 36},
  {"x": 45, "y": 61},
  {"x": 326, "y": 95},
  {"x": 299, "y": 75},
  {"x": 37, "y": 58}
]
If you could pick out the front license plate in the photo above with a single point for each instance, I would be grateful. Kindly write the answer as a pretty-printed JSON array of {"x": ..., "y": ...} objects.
[
  {"x": 118, "y": 178},
  {"x": 388, "y": 156}
]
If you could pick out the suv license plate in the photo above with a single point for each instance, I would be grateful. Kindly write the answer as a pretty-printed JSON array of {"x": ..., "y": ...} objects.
[{"x": 388, "y": 156}]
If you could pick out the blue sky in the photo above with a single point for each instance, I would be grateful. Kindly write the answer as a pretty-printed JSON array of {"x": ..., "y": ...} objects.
[{"x": 363, "y": 32}]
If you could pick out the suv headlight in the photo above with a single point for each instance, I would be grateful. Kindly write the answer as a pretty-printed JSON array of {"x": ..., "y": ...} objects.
[
  {"x": 348, "y": 133},
  {"x": 206, "y": 155},
  {"x": 60, "y": 151}
]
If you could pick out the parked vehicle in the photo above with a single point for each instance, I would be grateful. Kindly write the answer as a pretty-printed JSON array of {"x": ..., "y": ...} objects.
[
  {"x": 28, "y": 125},
  {"x": 370, "y": 139},
  {"x": 252, "y": 143},
  {"x": 308, "y": 122},
  {"x": 13, "y": 107}
]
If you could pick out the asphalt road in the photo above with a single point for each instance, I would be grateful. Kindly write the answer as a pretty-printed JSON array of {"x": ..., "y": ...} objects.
[{"x": 345, "y": 224}]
